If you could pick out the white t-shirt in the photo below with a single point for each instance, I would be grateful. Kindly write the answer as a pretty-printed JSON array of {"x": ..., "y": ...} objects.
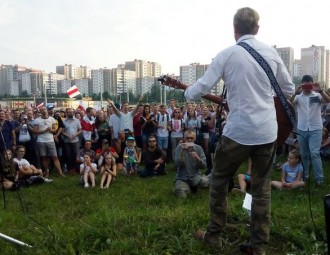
[
  {"x": 88, "y": 168},
  {"x": 43, "y": 125},
  {"x": 163, "y": 120},
  {"x": 126, "y": 121},
  {"x": 22, "y": 162}
]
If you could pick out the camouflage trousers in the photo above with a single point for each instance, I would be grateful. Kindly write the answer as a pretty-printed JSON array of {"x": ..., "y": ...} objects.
[{"x": 228, "y": 157}]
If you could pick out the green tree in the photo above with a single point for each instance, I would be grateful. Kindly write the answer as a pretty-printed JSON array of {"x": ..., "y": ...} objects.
[{"x": 24, "y": 94}]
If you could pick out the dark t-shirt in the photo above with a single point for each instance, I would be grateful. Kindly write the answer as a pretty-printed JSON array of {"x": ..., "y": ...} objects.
[{"x": 6, "y": 130}]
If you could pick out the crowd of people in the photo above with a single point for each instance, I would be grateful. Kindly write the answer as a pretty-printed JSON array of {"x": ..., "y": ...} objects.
[{"x": 132, "y": 141}]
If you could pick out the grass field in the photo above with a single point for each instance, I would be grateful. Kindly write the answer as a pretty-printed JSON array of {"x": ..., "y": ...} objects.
[{"x": 142, "y": 216}]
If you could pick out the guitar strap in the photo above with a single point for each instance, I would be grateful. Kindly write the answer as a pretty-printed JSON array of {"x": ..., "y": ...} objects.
[{"x": 263, "y": 63}]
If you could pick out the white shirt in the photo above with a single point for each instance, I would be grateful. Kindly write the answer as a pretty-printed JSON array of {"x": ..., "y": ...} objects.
[
  {"x": 252, "y": 117},
  {"x": 21, "y": 162},
  {"x": 114, "y": 122},
  {"x": 309, "y": 111},
  {"x": 126, "y": 121},
  {"x": 163, "y": 121},
  {"x": 43, "y": 125}
]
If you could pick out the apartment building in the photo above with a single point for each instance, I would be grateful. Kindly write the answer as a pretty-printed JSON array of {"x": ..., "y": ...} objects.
[
  {"x": 144, "y": 68},
  {"x": 287, "y": 56},
  {"x": 69, "y": 71}
]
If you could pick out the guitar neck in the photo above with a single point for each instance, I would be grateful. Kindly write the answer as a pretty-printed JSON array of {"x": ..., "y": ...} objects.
[{"x": 177, "y": 84}]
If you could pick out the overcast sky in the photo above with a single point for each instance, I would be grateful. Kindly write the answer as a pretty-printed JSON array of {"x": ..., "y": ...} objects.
[{"x": 104, "y": 33}]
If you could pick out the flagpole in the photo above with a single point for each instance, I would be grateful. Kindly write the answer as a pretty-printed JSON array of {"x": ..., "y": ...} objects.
[{"x": 45, "y": 95}]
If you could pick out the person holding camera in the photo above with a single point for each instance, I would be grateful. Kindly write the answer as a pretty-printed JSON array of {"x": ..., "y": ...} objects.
[
  {"x": 189, "y": 159},
  {"x": 308, "y": 99}
]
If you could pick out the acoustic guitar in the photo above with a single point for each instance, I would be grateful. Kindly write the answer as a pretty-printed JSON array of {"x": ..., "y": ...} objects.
[{"x": 284, "y": 125}]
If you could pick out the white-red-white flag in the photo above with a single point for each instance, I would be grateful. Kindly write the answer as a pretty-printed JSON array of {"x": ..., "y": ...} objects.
[
  {"x": 39, "y": 105},
  {"x": 82, "y": 106},
  {"x": 73, "y": 91}
]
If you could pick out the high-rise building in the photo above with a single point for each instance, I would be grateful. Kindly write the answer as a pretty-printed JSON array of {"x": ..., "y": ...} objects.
[
  {"x": 10, "y": 78},
  {"x": 191, "y": 73},
  {"x": 50, "y": 83},
  {"x": 297, "y": 69},
  {"x": 144, "y": 68},
  {"x": 97, "y": 81},
  {"x": 122, "y": 80},
  {"x": 69, "y": 71},
  {"x": 83, "y": 72},
  {"x": 313, "y": 62},
  {"x": 287, "y": 56}
]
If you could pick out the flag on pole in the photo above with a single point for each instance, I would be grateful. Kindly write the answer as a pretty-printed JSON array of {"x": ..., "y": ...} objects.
[
  {"x": 73, "y": 91},
  {"x": 82, "y": 106}
]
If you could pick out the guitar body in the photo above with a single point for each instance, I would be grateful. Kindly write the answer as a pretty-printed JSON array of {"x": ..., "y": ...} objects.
[{"x": 284, "y": 125}]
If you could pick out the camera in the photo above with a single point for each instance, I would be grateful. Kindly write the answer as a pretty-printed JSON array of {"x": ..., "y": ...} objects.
[{"x": 307, "y": 87}]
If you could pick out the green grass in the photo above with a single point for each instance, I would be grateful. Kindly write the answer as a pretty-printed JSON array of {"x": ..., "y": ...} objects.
[{"x": 142, "y": 216}]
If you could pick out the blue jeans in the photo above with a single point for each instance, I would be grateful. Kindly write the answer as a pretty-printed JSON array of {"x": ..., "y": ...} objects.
[
  {"x": 162, "y": 142},
  {"x": 309, "y": 144}
]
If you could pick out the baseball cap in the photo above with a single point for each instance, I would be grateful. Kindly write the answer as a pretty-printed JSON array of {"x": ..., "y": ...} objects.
[
  {"x": 50, "y": 106},
  {"x": 130, "y": 138}
]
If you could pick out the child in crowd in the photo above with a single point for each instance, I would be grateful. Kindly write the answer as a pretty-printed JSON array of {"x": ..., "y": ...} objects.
[
  {"x": 88, "y": 170},
  {"x": 108, "y": 170},
  {"x": 9, "y": 176},
  {"x": 130, "y": 157},
  {"x": 244, "y": 180},
  {"x": 292, "y": 173}
]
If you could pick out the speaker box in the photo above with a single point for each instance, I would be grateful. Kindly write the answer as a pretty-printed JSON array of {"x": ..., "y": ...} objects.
[{"x": 327, "y": 219}]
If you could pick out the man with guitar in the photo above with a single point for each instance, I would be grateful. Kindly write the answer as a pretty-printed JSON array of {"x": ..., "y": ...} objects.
[{"x": 250, "y": 131}]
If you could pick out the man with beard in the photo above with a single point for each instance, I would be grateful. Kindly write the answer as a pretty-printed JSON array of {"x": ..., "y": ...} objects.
[{"x": 71, "y": 132}]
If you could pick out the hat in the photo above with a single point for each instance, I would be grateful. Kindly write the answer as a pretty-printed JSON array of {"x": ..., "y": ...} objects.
[
  {"x": 130, "y": 138},
  {"x": 105, "y": 141}
]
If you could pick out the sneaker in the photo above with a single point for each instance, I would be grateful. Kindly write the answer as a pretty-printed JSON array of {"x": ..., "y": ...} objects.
[
  {"x": 86, "y": 185},
  {"x": 48, "y": 180},
  {"x": 212, "y": 239},
  {"x": 246, "y": 248},
  {"x": 106, "y": 186},
  {"x": 319, "y": 184}
]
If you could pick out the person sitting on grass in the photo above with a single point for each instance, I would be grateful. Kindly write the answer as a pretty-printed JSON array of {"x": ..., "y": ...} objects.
[
  {"x": 292, "y": 173},
  {"x": 189, "y": 159},
  {"x": 153, "y": 159},
  {"x": 244, "y": 180},
  {"x": 28, "y": 172},
  {"x": 88, "y": 170},
  {"x": 108, "y": 170},
  {"x": 9, "y": 176}
]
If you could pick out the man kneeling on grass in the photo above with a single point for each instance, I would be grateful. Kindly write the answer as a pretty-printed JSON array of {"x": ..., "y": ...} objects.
[{"x": 189, "y": 159}]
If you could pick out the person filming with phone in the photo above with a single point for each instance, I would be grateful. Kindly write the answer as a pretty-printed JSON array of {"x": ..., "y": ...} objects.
[
  {"x": 308, "y": 99},
  {"x": 189, "y": 159}
]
